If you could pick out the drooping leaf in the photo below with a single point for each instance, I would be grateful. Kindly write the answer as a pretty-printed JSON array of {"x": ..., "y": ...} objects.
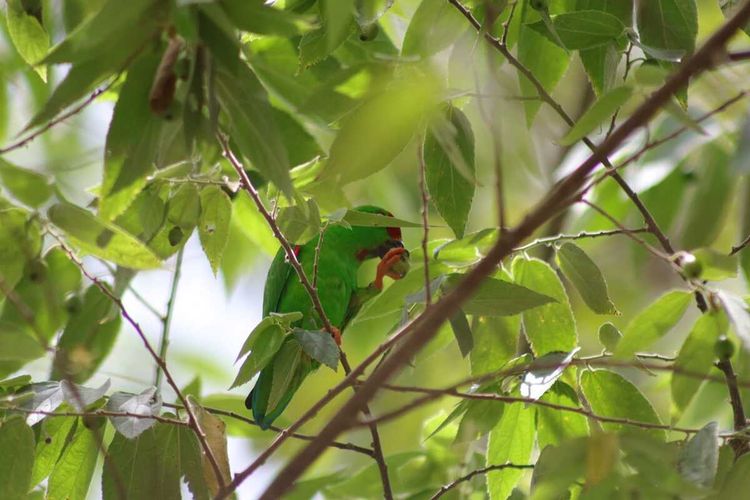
[
  {"x": 378, "y": 130},
  {"x": 16, "y": 458},
  {"x": 434, "y": 27},
  {"x": 319, "y": 345},
  {"x": 449, "y": 160},
  {"x": 546, "y": 61},
  {"x": 79, "y": 397},
  {"x": 500, "y": 298},
  {"x": 251, "y": 124},
  {"x": 599, "y": 113},
  {"x": 357, "y": 218},
  {"x": 668, "y": 25},
  {"x": 738, "y": 312},
  {"x": 147, "y": 403},
  {"x": 45, "y": 397},
  {"x": 462, "y": 332},
  {"x": 582, "y": 29},
  {"x": 213, "y": 225},
  {"x": 32, "y": 188},
  {"x": 612, "y": 395},
  {"x": 132, "y": 140},
  {"x": 53, "y": 437},
  {"x": 587, "y": 278},
  {"x": 653, "y": 322},
  {"x": 696, "y": 357},
  {"x": 710, "y": 202},
  {"x": 28, "y": 35},
  {"x": 700, "y": 456},
  {"x": 512, "y": 440},
  {"x": 736, "y": 480},
  {"x": 72, "y": 475},
  {"x": 263, "y": 343},
  {"x": 101, "y": 238},
  {"x": 609, "y": 336},
  {"x": 88, "y": 337},
  {"x": 216, "y": 437},
  {"x": 467, "y": 250},
  {"x": 551, "y": 327}
]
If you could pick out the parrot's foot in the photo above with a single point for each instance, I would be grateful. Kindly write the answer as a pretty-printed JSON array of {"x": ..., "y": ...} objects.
[
  {"x": 385, "y": 266},
  {"x": 336, "y": 334}
]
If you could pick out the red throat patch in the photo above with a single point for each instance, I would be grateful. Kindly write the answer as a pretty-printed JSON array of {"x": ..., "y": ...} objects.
[{"x": 394, "y": 232}]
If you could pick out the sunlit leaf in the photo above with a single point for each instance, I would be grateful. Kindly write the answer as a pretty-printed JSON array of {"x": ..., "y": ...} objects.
[
  {"x": 499, "y": 298},
  {"x": 28, "y": 35},
  {"x": 216, "y": 437},
  {"x": 599, "y": 113},
  {"x": 543, "y": 372},
  {"x": 72, "y": 475},
  {"x": 433, "y": 27},
  {"x": 582, "y": 29},
  {"x": 512, "y": 440},
  {"x": 16, "y": 458},
  {"x": 32, "y": 188},
  {"x": 555, "y": 427},
  {"x": 609, "y": 336},
  {"x": 653, "y": 322},
  {"x": 53, "y": 437},
  {"x": 715, "y": 265},
  {"x": 587, "y": 278},
  {"x": 668, "y": 25},
  {"x": 213, "y": 225}
]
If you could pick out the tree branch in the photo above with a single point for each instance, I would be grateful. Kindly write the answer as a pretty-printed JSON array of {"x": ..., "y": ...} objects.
[
  {"x": 167, "y": 318},
  {"x": 740, "y": 446},
  {"x": 425, "y": 221}
]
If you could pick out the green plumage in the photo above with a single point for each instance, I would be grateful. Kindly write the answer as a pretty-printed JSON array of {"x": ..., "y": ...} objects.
[{"x": 342, "y": 252}]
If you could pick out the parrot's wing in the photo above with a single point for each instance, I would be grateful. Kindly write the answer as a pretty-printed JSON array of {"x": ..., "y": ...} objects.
[{"x": 276, "y": 282}]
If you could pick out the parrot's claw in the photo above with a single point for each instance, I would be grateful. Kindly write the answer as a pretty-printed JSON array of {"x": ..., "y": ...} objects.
[
  {"x": 393, "y": 256},
  {"x": 336, "y": 334}
]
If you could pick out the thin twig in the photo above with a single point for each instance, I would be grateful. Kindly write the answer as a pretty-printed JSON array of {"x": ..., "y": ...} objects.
[
  {"x": 484, "y": 470},
  {"x": 551, "y": 240},
  {"x": 315, "y": 299},
  {"x": 318, "y": 248},
  {"x": 167, "y": 319},
  {"x": 192, "y": 420},
  {"x": 423, "y": 329},
  {"x": 91, "y": 98},
  {"x": 100, "y": 413},
  {"x": 742, "y": 245},
  {"x": 425, "y": 220}
]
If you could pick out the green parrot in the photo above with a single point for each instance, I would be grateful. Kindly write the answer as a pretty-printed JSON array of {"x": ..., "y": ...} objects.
[{"x": 342, "y": 252}]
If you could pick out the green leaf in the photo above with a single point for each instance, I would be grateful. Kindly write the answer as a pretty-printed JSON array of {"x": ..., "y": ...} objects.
[
  {"x": 609, "y": 336},
  {"x": 132, "y": 140},
  {"x": 449, "y": 159},
  {"x": 338, "y": 25},
  {"x": 543, "y": 58},
  {"x": 213, "y": 226},
  {"x": 31, "y": 188},
  {"x": 587, "y": 278},
  {"x": 28, "y": 35},
  {"x": 668, "y": 24},
  {"x": 141, "y": 465},
  {"x": 53, "y": 436},
  {"x": 365, "y": 219},
  {"x": 512, "y": 440},
  {"x": 190, "y": 456},
  {"x": 462, "y": 332},
  {"x": 258, "y": 17},
  {"x": 245, "y": 102},
  {"x": 216, "y": 437},
  {"x": 653, "y": 322},
  {"x": 146, "y": 403},
  {"x": 467, "y": 250},
  {"x": 612, "y": 395},
  {"x": 714, "y": 265},
  {"x": 600, "y": 112},
  {"x": 738, "y": 312},
  {"x": 17, "y": 345},
  {"x": 737, "y": 480},
  {"x": 88, "y": 337},
  {"x": 495, "y": 340},
  {"x": 745, "y": 252},
  {"x": 300, "y": 223},
  {"x": 72, "y": 475},
  {"x": 16, "y": 458},
  {"x": 319, "y": 345},
  {"x": 696, "y": 357},
  {"x": 700, "y": 457},
  {"x": 378, "y": 130},
  {"x": 263, "y": 343},
  {"x": 101, "y": 238},
  {"x": 583, "y": 29},
  {"x": 551, "y": 327},
  {"x": 499, "y": 298},
  {"x": 555, "y": 426},
  {"x": 20, "y": 240},
  {"x": 434, "y": 27}
]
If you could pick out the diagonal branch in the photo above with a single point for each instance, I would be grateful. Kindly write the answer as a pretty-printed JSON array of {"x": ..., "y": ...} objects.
[
  {"x": 422, "y": 331},
  {"x": 484, "y": 470}
]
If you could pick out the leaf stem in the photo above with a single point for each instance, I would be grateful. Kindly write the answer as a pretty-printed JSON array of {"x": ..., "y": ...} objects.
[{"x": 167, "y": 318}]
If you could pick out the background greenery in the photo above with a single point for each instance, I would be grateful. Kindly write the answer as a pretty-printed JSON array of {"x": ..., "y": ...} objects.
[{"x": 350, "y": 94}]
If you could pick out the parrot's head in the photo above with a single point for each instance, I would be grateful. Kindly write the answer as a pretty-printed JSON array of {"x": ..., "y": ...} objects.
[{"x": 385, "y": 243}]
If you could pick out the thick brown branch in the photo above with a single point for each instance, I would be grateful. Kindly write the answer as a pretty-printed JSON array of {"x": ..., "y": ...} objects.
[{"x": 739, "y": 445}]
